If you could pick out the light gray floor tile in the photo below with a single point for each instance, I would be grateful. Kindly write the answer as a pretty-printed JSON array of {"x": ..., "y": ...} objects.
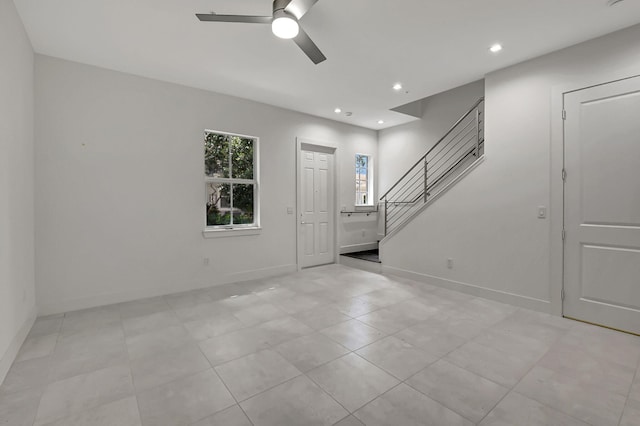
[
  {"x": 37, "y": 347},
  {"x": 143, "y": 307},
  {"x": 322, "y": 317},
  {"x": 202, "y": 311},
  {"x": 88, "y": 319},
  {"x": 490, "y": 363},
  {"x": 300, "y": 302},
  {"x": 44, "y": 326},
  {"x": 431, "y": 339},
  {"x": 355, "y": 307},
  {"x": 572, "y": 397},
  {"x": 25, "y": 375},
  {"x": 635, "y": 387},
  {"x": 230, "y": 346},
  {"x": 258, "y": 313},
  {"x": 212, "y": 327},
  {"x": 516, "y": 409},
  {"x": 123, "y": 412},
  {"x": 598, "y": 341},
  {"x": 184, "y": 401},
  {"x": 350, "y": 421},
  {"x": 73, "y": 359},
  {"x": 388, "y": 321},
  {"x": 387, "y": 297},
  {"x": 397, "y": 357},
  {"x": 299, "y": 401},
  {"x": 353, "y": 334},
  {"x": 283, "y": 329},
  {"x": 73, "y": 395},
  {"x": 419, "y": 309},
  {"x": 232, "y": 416},
  {"x": 19, "y": 409},
  {"x": 565, "y": 371},
  {"x": 142, "y": 324},
  {"x": 252, "y": 374},
  {"x": 241, "y": 301},
  {"x": 513, "y": 343},
  {"x": 405, "y": 406},
  {"x": 631, "y": 414},
  {"x": 464, "y": 392},
  {"x": 308, "y": 352},
  {"x": 167, "y": 366},
  {"x": 159, "y": 340},
  {"x": 87, "y": 339},
  {"x": 588, "y": 369},
  {"x": 352, "y": 381}
]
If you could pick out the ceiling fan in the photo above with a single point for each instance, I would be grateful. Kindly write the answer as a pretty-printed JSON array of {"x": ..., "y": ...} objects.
[{"x": 284, "y": 24}]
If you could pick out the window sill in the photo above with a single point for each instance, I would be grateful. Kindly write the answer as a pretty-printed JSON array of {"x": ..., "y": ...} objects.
[{"x": 235, "y": 232}]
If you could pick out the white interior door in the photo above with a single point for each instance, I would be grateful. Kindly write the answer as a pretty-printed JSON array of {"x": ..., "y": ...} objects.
[
  {"x": 602, "y": 205},
  {"x": 317, "y": 210}
]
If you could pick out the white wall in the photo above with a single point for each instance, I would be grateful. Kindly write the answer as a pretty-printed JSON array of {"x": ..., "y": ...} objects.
[
  {"x": 17, "y": 295},
  {"x": 401, "y": 146},
  {"x": 120, "y": 192},
  {"x": 487, "y": 223}
]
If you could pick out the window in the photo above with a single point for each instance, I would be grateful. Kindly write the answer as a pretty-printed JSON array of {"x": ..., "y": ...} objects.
[
  {"x": 364, "y": 188},
  {"x": 231, "y": 180}
]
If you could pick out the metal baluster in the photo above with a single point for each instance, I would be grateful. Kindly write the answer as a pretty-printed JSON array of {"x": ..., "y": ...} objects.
[
  {"x": 425, "y": 180},
  {"x": 478, "y": 132}
]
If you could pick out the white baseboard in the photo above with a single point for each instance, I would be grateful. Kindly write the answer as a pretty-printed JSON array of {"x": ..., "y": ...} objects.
[
  {"x": 70, "y": 305},
  {"x": 351, "y": 248},
  {"x": 15, "y": 345},
  {"x": 474, "y": 290}
]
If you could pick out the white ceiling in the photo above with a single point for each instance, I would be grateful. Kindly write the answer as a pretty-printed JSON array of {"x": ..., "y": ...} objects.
[{"x": 428, "y": 45}]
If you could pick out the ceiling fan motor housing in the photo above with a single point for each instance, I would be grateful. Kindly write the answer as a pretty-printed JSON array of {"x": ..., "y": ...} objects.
[{"x": 280, "y": 5}]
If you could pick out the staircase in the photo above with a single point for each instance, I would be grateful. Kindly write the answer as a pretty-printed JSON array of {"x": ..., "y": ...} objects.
[{"x": 456, "y": 153}]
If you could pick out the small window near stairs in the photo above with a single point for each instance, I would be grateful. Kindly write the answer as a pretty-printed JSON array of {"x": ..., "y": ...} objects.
[{"x": 364, "y": 186}]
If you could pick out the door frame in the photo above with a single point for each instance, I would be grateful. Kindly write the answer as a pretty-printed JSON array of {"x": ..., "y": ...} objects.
[
  {"x": 324, "y": 146},
  {"x": 556, "y": 199}
]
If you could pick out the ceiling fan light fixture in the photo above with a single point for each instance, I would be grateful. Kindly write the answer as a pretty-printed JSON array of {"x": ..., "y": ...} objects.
[{"x": 284, "y": 25}]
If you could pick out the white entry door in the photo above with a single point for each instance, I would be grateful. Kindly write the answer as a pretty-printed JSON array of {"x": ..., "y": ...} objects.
[
  {"x": 317, "y": 210},
  {"x": 602, "y": 205}
]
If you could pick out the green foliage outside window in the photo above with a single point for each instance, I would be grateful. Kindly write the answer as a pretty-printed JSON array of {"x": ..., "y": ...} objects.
[{"x": 229, "y": 171}]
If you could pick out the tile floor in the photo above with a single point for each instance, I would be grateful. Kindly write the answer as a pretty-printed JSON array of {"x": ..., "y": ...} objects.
[{"x": 327, "y": 346}]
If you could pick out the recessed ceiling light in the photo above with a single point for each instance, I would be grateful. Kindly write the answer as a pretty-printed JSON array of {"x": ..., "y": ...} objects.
[
  {"x": 380, "y": 121},
  {"x": 495, "y": 48},
  {"x": 397, "y": 86},
  {"x": 337, "y": 110}
]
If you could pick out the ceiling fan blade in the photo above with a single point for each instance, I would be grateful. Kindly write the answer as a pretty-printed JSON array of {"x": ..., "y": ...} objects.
[
  {"x": 213, "y": 17},
  {"x": 307, "y": 45},
  {"x": 299, "y": 8}
]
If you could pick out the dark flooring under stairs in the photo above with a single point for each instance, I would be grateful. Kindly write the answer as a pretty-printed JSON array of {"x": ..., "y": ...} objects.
[{"x": 368, "y": 255}]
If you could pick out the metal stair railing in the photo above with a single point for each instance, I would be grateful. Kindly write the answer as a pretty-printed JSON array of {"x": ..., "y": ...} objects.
[{"x": 444, "y": 161}]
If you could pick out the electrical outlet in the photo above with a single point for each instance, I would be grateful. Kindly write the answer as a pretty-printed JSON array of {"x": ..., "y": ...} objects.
[
  {"x": 450, "y": 263},
  {"x": 542, "y": 212},
  {"x": 205, "y": 261},
  {"x": 364, "y": 233}
]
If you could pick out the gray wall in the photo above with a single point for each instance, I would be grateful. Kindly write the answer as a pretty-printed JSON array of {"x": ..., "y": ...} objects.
[
  {"x": 119, "y": 172},
  {"x": 17, "y": 295},
  {"x": 487, "y": 223}
]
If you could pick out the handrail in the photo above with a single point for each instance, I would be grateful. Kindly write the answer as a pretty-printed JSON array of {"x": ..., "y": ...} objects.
[
  {"x": 442, "y": 163},
  {"x": 438, "y": 180},
  {"x": 465, "y": 115}
]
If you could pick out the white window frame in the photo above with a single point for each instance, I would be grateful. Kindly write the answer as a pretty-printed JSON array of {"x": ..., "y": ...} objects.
[
  {"x": 370, "y": 201},
  {"x": 236, "y": 229}
]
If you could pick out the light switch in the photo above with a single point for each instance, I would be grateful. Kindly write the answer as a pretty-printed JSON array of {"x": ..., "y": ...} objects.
[
  {"x": 542, "y": 212},
  {"x": 289, "y": 210}
]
